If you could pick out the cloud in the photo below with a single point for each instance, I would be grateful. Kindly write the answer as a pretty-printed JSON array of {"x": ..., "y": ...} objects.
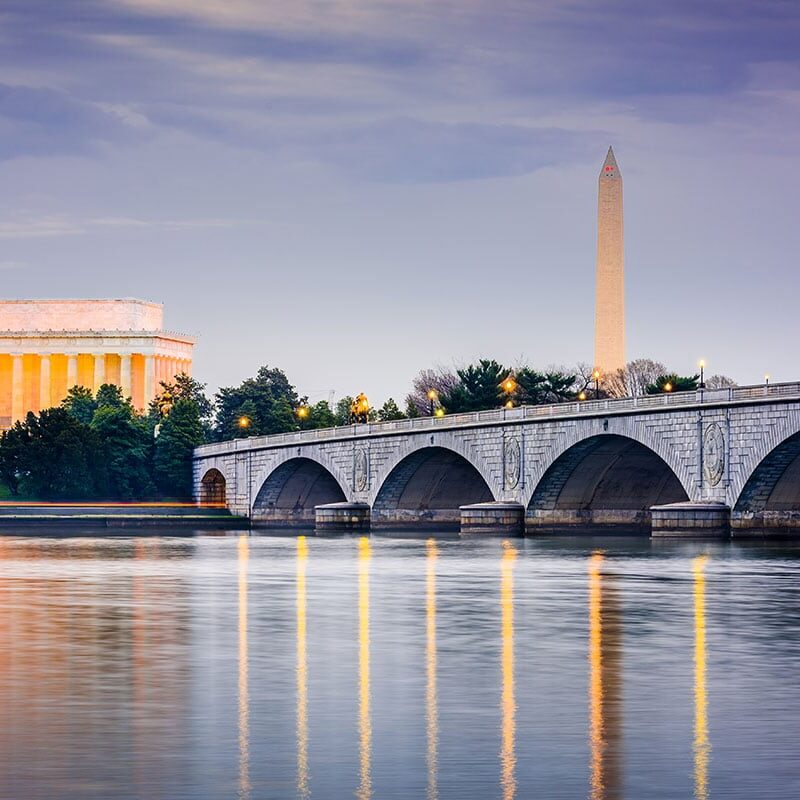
[
  {"x": 409, "y": 150},
  {"x": 43, "y": 121},
  {"x": 47, "y": 227}
]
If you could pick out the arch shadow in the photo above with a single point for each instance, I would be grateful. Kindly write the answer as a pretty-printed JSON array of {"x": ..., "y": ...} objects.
[
  {"x": 290, "y": 493},
  {"x": 213, "y": 489},
  {"x": 770, "y": 498},
  {"x": 608, "y": 481},
  {"x": 426, "y": 489}
]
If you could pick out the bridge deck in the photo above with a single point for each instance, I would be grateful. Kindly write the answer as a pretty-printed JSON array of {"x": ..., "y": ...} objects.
[{"x": 702, "y": 398}]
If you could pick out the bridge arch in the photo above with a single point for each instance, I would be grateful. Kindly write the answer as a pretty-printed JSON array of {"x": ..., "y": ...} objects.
[
  {"x": 292, "y": 489},
  {"x": 425, "y": 486},
  {"x": 604, "y": 479},
  {"x": 772, "y": 487},
  {"x": 213, "y": 489}
]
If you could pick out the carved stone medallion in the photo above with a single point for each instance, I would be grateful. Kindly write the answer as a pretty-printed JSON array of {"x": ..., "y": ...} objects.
[
  {"x": 713, "y": 454},
  {"x": 511, "y": 456},
  {"x": 360, "y": 473}
]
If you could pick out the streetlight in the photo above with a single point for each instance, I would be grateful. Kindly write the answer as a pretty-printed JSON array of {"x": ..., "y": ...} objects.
[
  {"x": 766, "y": 379},
  {"x": 439, "y": 412},
  {"x": 509, "y": 386},
  {"x": 667, "y": 387},
  {"x": 582, "y": 396},
  {"x": 702, "y": 373},
  {"x": 302, "y": 414},
  {"x": 243, "y": 422},
  {"x": 596, "y": 376},
  {"x": 433, "y": 396}
]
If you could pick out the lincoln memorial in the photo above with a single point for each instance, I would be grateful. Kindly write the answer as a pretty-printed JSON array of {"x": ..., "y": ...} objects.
[{"x": 48, "y": 346}]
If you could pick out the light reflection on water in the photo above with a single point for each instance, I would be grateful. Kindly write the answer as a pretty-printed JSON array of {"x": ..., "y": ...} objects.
[{"x": 266, "y": 667}]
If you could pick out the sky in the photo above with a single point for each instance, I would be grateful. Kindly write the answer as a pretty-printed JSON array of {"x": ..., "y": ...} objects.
[{"x": 353, "y": 192}]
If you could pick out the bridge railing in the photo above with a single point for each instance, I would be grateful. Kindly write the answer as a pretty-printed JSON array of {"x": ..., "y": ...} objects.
[{"x": 558, "y": 410}]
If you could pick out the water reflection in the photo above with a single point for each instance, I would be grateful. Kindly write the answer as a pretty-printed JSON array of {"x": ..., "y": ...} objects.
[
  {"x": 508, "y": 760},
  {"x": 702, "y": 746},
  {"x": 605, "y": 683},
  {"x": 431, "y": 705},
  {"x": 302, "y": 674},
  {"x": 244, "y": 697},
  {"x": 364, "y": 722}
]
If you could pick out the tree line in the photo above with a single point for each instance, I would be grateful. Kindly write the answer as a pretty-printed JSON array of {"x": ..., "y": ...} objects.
[{"x": 98, "y": 446}]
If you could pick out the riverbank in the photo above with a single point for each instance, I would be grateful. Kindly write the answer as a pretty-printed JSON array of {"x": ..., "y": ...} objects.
[{"x": 115, "y": 515}]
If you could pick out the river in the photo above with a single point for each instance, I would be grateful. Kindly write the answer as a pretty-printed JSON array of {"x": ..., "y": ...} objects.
[{"x": 232, "y": 666}]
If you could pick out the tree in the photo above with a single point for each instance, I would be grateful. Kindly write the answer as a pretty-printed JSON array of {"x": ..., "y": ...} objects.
[
  {"x": 12, "y": 444},
  {"x": 180, "y": 433},
  {"x": 537, "y": 388},
  {"x": 720, "y": 382},
  {"x": 439, "y": 379},
  {"x": 62, "y": 458},
  {"x": 127, "y": 445},
  {"x": 320, "y": 416},
  {"x": 268, "y": 401},
  {"x": 80, "y": 404},
  {"x": 342, "y": 412},
  {"x": 676, "y": 383},
  {"x": 478, "y": 388},
  {"x": 634, "y": 378},
  {"x": 184, "y": 387},
  {"x": 389, "y": 411}
]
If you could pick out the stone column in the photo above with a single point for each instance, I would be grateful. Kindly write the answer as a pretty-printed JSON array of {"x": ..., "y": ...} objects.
[
  {"x": 125, "y": 374},
  {"x": 99, "y": 370},
  {"x": 72, "y": 371},
  {"x": 17, "y": 388},
  {"x": 149, "y": 380},
  {"x": 44, "y": 382}
]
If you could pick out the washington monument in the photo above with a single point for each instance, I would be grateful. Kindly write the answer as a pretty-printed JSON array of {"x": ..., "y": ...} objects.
[{"x": 609, "y": 321}]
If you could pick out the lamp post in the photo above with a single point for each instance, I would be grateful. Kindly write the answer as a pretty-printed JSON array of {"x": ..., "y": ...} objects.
[
  {"x": 439, "y": 412},
  {"x": 509, "y": 386},
  {"x": 667, "y": 387},
  {"x": 596, "y": 376},
  {"x": 243, "y": 422},
  {"x": 766, "y": 380},
  {"x": 702, "y": 374},
  {"x": 302, "y": 415},
  {"x": 432, "y": 397}
]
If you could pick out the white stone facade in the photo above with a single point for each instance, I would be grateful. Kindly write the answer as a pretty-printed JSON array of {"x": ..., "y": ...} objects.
[
  {"x": 711, "y": 442},
  {"x": 48, "y": 346}
]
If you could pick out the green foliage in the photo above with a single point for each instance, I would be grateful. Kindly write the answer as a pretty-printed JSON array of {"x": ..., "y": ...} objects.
[
  {"x": 179, "y": 434},
  {"x": 677, "y": 383},
  {"x": 319, "y": 416},
  {"x": 12, "y": 445},
  {"x": 412, "y": 412},
  {"x": 342, "y": 411},
  {"x": 62, "y": 457},
  {"x": 389, "y": 411},
  {"x": 80, "y": 404},
  {"x": 268, "y": 401},
  {"x": 126, "y": 443},
  {"x": 478, "y": 388}
]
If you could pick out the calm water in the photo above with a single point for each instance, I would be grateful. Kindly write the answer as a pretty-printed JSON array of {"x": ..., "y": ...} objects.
[{"x": 264, "y": 667}]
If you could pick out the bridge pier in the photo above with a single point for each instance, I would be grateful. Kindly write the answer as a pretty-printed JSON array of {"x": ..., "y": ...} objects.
[
  {"x": 691, "y": 521},
  {"x": 341, "y": 518},
  {"x": 492, "y": 519}
]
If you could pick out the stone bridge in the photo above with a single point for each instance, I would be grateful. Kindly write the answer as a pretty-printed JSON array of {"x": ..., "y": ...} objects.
[{"x": 691, "y": 462}]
